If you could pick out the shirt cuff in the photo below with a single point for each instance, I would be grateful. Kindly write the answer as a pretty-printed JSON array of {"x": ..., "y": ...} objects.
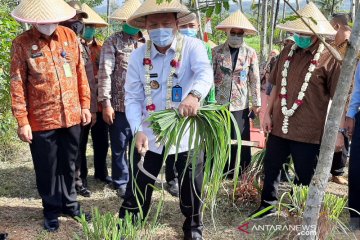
[
  {"x": 106, "y": 103},
  {"x": 351, "y": 113},
  {"x": 22, "y": 121}
]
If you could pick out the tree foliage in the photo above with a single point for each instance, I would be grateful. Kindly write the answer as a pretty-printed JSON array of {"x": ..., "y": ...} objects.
[
  {"x": 92, "y": 3},
  {"x": 9, "y": 29}
]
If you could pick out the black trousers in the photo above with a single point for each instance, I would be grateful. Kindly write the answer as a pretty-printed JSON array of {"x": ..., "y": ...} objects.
[
  {"x": 304, "y": 156},
  {"x": 54, "y": 153},
  {"x": 339, "y": 159},
  {"x": 242, "y": 119},
  {"x": 354, "y": 170},
  {"x": 100, "y": 138},
  {"x": 81, "y": 169},
  {"x": 190, "y": 189}
]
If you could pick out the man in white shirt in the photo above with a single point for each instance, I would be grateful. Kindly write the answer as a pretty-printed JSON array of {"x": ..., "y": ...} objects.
[{"x": 151, "y": 86}]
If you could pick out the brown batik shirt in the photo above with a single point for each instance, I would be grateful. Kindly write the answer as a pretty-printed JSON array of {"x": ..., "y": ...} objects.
[{"x": 307, "y": 123}]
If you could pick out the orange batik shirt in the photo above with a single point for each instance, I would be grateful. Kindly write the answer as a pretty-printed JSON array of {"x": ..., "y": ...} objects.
[{"x": 48, "y": 80}]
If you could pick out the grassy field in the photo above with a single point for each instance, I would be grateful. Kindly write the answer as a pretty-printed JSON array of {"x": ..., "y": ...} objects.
[{"x": 21, "y": 209}]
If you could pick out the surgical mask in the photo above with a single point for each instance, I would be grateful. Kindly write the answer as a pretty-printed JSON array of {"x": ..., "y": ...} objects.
[
  {"x": 190, "y": 32},
  {"x": 89, "y": 33},
  {"x": 162, "y": 37},
  {"x": 77, "y": 26},
  {"x": 130, "y": 30},
  {"x": 46, "y": 29},
  {"x": 302, "y": 41},
  {"x": 236, "y": 41}
]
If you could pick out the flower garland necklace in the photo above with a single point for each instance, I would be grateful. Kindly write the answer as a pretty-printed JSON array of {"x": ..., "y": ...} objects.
[
  {"x": 174, "y": 64},
  {"x": 283, "y": 93}
]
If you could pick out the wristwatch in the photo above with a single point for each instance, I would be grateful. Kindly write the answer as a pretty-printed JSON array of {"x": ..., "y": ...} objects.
[{"x": 196, "y": 94}]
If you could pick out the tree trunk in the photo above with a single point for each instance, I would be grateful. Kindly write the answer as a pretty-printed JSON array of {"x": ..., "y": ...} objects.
[
  {"x": 319, "y": 182},
  {"x": 297, "y": 5},
  {"x": 272, "y": 23},
  {"x": 263, "y": 32},
  {"x": 258, "y": 14},
  {"x": 241, "y": 6},
  {"x": 352, "y": 10}
]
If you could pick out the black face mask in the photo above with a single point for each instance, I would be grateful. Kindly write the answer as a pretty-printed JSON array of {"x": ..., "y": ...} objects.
[{"x": 77, "y": 26}]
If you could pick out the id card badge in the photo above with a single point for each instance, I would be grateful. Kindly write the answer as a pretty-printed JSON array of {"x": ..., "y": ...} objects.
[
  {"x": 243, "y": 75},
  {"x": 177, "y": 94},
  {"x": 67, "y": 70}
]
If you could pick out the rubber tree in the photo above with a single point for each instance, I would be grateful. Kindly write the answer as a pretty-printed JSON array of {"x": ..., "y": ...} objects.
[
  {"x": 319, "y": 182},
  {"x": 263, "y": 31}
]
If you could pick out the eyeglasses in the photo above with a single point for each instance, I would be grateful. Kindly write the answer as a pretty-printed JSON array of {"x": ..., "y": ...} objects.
[{"x": 239, "y": 34}]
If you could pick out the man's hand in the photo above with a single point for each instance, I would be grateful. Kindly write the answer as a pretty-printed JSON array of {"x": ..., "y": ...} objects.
[
  {"x": 256, "y": 110},
  {"x": 85, "y": 117},
  {"x": 25, "y": 133},
  {"x": 189, "y": 107},
  {"x": 108, "y": 115},
  {"x": 267, "y": 123},
  {"x": 339, "y": 142},
  {"x": 349, "y": 126},
  {"x": 93, "y": 119},
  {"x": 141, "y": 142}
]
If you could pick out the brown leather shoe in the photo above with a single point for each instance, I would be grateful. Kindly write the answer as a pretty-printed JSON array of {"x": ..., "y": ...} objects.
[{"x": 339, "y": 180}]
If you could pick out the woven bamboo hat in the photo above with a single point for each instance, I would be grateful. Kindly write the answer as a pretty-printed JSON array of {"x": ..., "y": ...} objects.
[
  {"x": 237, "y": 20},
  {"x": 43, "y": 11},
  {"x": 126, "y": 10},
  {"x": 149, "y": 7},
  {"x": 312, "y": 15},
  {"x": 78, "y": 7},
  {"x": 93, "y": 18},
  {"x": 186, "y": 19}
]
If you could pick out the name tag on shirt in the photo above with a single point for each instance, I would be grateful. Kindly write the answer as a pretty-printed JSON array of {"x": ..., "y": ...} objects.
[
  {"x": 67, "y": 70},
  {"x": 36, "y": 55},
  {"x": 177, "y": 94}
]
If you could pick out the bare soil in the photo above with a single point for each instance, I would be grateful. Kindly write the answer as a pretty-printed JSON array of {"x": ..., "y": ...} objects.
[{"x": 21, "y": 209}]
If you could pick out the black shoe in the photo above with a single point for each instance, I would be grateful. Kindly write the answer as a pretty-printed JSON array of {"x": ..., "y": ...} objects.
[
  {"x": 268, "y": 213},
  {"x": 4, "y": 236},
  {"x": 106, "y": 180},
  {"x": 51, "y": 225},
  {"x": 173, "y": 188},
  {"x": 83, "y": 191},
  {"x": 121, "y": 192}
]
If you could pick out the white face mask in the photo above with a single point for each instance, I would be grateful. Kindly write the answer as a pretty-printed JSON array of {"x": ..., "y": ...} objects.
[
  {"x": 235, "y": 41},
  {"x": 46, "y": 29}
]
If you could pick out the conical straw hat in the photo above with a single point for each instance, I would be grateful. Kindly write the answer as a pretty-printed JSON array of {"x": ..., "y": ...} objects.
[
  {"x": 186, "y": 19},
  {"x": 312, "y": 15},
  {"x": 43, "y": 11},
  {"x": 93, "y": 18},
  {"x": 149, "y": 7},
  {"x": 237, "y": 20},
  {"x": 78, "y": 7},
  {"x": 126, "y": 10}
]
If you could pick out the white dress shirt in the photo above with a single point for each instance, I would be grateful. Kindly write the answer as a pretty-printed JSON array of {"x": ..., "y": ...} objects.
[{"x": 194, "y": 73}]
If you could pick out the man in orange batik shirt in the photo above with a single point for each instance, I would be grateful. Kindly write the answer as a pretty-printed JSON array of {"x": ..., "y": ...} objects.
[{"x": 50, "y": 99}]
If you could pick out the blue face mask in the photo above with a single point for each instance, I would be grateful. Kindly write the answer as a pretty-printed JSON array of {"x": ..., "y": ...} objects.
[
  {"x": 190, "y": 32},
  {"x": 89, "y": 33},
  {"x": 302, "y": 41},
  {"x": 161, "y": 37}
]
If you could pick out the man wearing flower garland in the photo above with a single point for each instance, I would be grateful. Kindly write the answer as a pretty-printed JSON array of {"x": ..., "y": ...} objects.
[
  {"x": 171, "y": 71},
  {"x": 304, "y": 79}
]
